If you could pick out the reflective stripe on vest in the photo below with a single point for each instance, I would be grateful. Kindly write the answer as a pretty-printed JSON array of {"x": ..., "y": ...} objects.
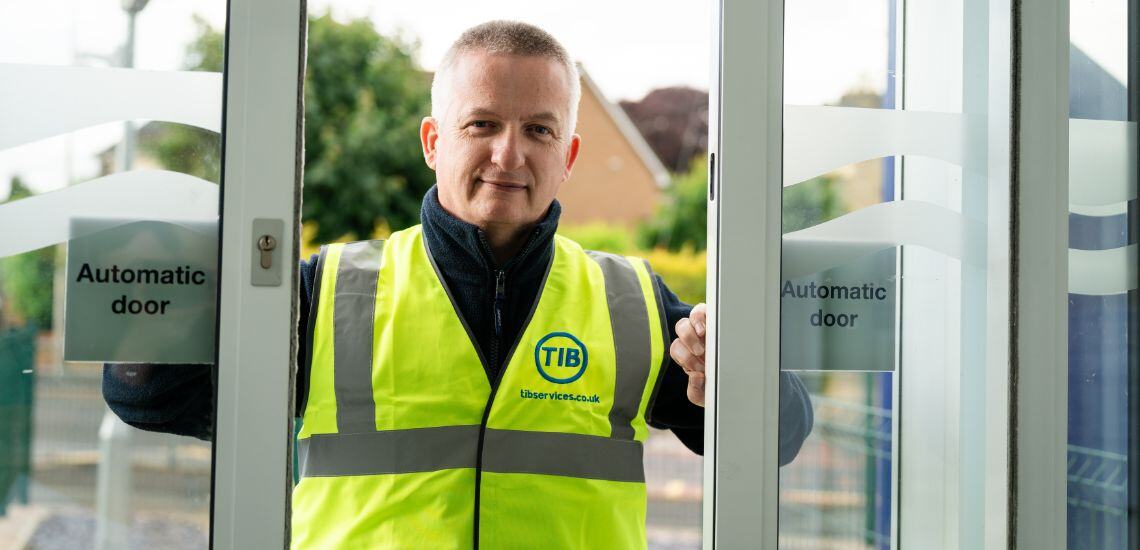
[
  {"x": 397, "y": 412},
  {"x": 445, "y": 447}
]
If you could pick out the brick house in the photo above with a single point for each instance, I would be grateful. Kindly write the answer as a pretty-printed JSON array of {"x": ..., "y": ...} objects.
[{"x": 617, "y": 179}]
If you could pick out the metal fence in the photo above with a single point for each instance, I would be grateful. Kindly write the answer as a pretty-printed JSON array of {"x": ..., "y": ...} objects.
[
  {"x": 169, "y": 488},
  {"x": 673, "y": 487},
  {"x": 1098, "y": 498},
  {"x": 833, "y": 495},
  {"x": 17, "y": 387},
  {"x": 836, "y": 494}
]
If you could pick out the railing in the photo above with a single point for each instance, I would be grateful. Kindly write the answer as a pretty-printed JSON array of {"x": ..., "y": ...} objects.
[
  {"x": 1098, "y": 498},
  {"x": 17, "y": 384},
  {"x": 673, "y": 486},
  {"x": 830, "y": 496},
  {"x": 833, "y": 495}
]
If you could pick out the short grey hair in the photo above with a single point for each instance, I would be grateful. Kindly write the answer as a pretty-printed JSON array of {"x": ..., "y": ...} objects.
[{"x": 503, "y": 37}]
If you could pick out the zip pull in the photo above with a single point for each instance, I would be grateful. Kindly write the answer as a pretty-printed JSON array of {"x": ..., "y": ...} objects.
[{"x": 500, "y": 297}]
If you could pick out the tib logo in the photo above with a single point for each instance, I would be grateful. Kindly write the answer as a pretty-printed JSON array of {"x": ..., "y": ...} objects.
[{"x": 560, "y": 357}]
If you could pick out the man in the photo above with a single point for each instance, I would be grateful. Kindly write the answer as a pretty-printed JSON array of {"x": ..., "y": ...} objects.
[{"x": 478, "y": 381}]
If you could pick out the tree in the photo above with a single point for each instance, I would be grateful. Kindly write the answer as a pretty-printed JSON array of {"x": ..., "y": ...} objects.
[
  {"x": 680, "y": 221},
  {"x": 811, "y": 202},
  {"x": 189, "y": 149},
  {"x": 675, "y": 123},
  {"x": 26, "y": 279},
  {"x": 364, "y": 99}
]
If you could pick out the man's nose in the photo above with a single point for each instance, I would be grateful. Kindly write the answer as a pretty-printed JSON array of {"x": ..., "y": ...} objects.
[{"x": 508, "y": 154}]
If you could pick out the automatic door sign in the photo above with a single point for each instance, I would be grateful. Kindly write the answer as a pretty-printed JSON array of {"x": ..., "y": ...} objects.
[
  {"x": 842, "y": 318},
  {"x": 141, "y": 291}
]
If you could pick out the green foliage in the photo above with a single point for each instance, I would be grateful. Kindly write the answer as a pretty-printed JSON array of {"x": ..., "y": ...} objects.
[
  {"x": 673, "y": 239},
  {"x": 364, "y": 99},
  {"x": 208, "y": 51},
  {"x": 683, "y": 271},
  {"x": 601, "y": 236},
  {"x": 26, "y": 279},
  {"x": 680, "y": 220},
  {"x": 811, "y": 202},
  {"x": 188, "y": 149}
]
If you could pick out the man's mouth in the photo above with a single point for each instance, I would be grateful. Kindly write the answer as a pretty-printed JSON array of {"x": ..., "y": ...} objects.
[{"x": 504, "y": 185}]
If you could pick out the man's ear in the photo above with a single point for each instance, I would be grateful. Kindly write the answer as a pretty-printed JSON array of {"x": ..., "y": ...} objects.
[
  {"x": 429, "y": 134},
  {"x": 572, "y": 155}
]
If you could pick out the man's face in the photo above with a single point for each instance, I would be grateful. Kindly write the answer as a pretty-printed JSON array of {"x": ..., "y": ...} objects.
[{"x": 504, "y": 146}]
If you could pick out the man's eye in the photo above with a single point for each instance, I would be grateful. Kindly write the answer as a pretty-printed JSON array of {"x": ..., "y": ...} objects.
[
  {"x": 481, "y": 124},
  {"x": 542, "y": 130}
]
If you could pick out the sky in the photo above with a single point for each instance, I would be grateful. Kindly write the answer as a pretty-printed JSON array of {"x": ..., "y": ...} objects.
[
  {"x": 635, "y": 47},
  {"x": 628, "y": 46}
]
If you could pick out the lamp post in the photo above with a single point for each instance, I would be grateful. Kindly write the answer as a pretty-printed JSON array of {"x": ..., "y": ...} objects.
[
  {"x": 113, "y": 475},
  {"x": 127, "y": 149}
]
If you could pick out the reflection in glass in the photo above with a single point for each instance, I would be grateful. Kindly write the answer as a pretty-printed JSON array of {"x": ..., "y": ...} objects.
[
  {"x": 1103, "y": 300},
  {"x": 913, "y": 436},
  {"x": 838, "y": 491},
  {"x": 841, "y": 135},
  {"x": 72, "y": 475}
]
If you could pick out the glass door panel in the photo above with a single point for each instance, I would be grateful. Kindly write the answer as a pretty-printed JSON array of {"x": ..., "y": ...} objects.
[
  {"x": 838, "y": 296},
  {"x": 884, "y": 271},
  {"x": 1103, "y": 307},
  {"x": 936, "y": 184},
  {"x": 109, "y": 167}
]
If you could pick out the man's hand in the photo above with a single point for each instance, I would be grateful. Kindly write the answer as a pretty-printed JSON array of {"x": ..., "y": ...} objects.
[{"x": 688, "y": 350}]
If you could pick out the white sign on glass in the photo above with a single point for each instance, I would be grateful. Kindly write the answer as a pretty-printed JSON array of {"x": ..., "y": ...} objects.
[
  {"x": 141, "y": 291},
  {"x": 842, "y": 318}
]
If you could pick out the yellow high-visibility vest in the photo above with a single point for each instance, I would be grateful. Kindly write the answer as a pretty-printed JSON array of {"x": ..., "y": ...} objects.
[{"x": 406, "y": 444}]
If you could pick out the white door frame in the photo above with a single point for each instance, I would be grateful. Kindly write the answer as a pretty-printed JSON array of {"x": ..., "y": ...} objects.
[
  {"x": 998, "y": 432},
  {"x": 1026, "y": 284},
  {"x": 1039, "y": 330},
  {"x": 262, "y": 137},
  {"x": 257, "y": 325},
  {"x": 746, "y": 150}
]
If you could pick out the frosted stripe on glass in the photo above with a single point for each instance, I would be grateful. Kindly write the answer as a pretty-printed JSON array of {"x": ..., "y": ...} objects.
[
  {"x": 44, "y": 220},
  {"x": 1100, "y": 211},
  {"x": 43, "y": 101},
  {"x": 878, "y": 227},
  {"x": 818, "y": 140},
  {"x": 1102, "y": 162},
  {"x": 1102, "y": 272}
]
